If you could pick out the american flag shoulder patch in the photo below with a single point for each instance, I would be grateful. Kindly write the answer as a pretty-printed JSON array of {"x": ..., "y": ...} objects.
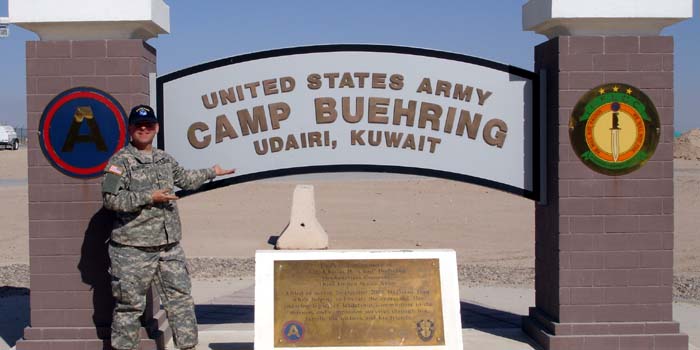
[{"x": 115, "y": 169}]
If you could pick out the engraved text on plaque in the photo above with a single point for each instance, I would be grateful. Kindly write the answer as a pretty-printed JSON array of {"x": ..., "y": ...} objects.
[{"x": 388, "y": 302}]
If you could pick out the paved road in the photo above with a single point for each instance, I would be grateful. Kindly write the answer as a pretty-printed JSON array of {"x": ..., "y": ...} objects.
[{"x": 13, "y": 182}]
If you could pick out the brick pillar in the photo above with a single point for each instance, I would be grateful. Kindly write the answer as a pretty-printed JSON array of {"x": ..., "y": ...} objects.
[
  {"x": 71, "y": 302},
  {"x": 604, "y": 245}
]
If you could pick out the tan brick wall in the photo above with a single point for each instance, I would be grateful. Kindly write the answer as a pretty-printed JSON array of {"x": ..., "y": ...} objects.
[
  {"x": 71, "y": 303},
  {"x": 604, "y": 253}
]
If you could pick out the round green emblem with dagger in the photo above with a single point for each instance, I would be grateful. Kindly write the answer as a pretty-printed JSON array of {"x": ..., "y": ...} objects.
[{"x": 614, "y": 129}]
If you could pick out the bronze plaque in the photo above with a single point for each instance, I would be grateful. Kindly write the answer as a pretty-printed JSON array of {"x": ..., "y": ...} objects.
[{"x": 387, "y": 302}]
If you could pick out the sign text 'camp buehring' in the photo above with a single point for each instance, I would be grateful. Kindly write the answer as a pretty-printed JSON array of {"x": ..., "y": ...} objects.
[{"x": 353, "y": 110}]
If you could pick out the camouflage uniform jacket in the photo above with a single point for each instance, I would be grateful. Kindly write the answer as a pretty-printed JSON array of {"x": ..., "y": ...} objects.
[{"x": 130, "y": 178}]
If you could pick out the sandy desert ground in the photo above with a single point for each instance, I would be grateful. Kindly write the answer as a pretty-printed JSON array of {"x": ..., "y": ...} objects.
[
  {"x": 484, "y": 226},
  {"x": 492, "y": 231}
]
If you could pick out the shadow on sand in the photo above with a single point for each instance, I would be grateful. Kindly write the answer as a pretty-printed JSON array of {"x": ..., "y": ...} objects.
[
  {"x": 231, "y": 346},
  {"x": 496, "y": 322},
  {"x": 14, "y": 311},
  {"x": 221, "y": 314}
]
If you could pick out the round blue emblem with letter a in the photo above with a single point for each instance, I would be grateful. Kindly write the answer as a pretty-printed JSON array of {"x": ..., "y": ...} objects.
[
  {"x": 293, "y": 331},
  {"x": 80, "y": 130}
]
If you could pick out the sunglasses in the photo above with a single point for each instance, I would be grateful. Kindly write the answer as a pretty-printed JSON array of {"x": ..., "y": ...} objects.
[{"x": 149, "y": 126}]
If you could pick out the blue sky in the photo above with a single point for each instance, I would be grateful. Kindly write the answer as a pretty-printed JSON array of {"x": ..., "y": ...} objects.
[{"x": 206, "y": 30}]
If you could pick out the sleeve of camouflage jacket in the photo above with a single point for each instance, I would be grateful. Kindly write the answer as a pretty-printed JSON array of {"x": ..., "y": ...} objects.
[
  {"x": 190, "y": 179},
  {"x": 124, "y": 200}
]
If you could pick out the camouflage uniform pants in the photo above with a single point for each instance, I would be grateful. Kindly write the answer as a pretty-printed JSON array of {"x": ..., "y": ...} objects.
[{"x": 133, "y": 270}]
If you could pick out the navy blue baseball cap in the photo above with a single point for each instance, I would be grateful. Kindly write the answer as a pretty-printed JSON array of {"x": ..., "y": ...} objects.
[{"x": 142, "y": 114}]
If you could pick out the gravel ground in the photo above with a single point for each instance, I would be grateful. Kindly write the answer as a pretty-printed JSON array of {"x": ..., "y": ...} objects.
[
  {"x": 14, "y": 279},
  {"x": 214, "y": 268},
  {"x": 686, "y": 289},
  {"x": 484, "y": 275}
]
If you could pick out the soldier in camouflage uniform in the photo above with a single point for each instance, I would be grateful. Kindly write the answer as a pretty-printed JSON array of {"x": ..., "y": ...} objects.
[{"x": 144, "y": 246}]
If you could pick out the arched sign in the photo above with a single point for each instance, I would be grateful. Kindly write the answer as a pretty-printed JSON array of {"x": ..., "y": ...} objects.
[{"x": 354, "y": 108}]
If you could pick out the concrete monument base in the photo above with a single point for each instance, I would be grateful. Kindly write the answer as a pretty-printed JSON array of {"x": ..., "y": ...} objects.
[{"x": 304, "y": 231}]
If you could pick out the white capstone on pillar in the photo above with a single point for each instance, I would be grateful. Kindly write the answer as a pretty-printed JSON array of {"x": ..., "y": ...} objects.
[
  {"x": 91, "y": 19},
  {"x": 603, "y": 17}
]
